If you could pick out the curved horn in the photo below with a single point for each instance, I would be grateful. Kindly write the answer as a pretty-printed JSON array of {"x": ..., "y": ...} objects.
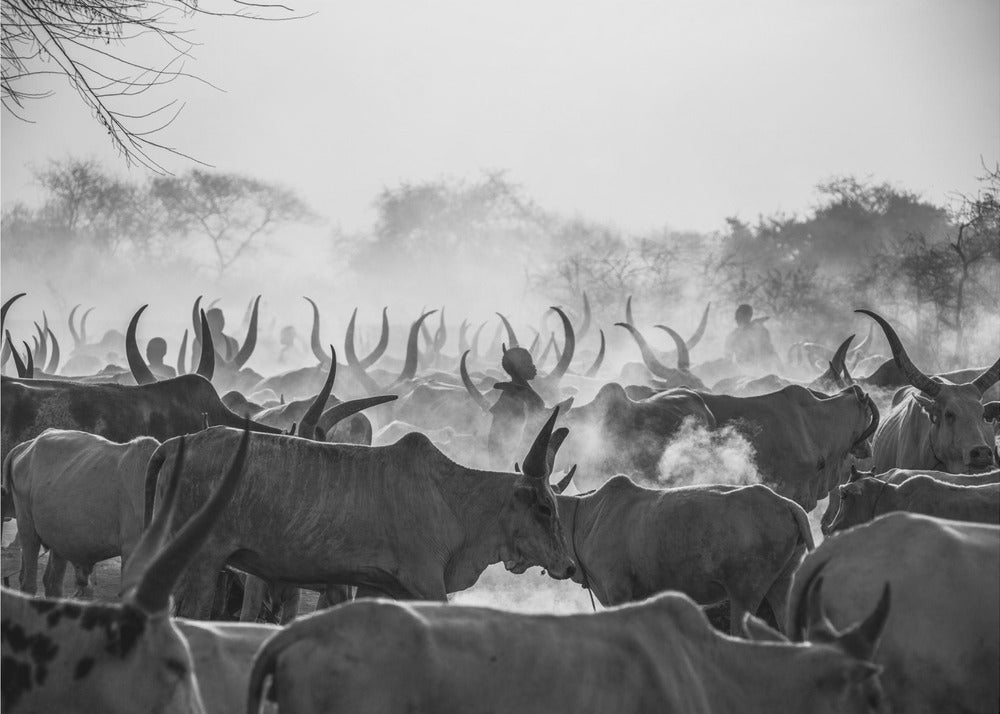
[
  {"x": 586, "y": 317},
  {"x": 18, "y": 364},
  {"x": 988, "y": 378},
  {"x": 568, "y": 348},
  {"x": 495, "y": 342},
  {"x": 683, "y": 358},
  {"x": 535, "y": 463},
  {"x": 310, "y": 419},
  {"x": 53, "y": 365},
  {"x": 250, "y": 343},
  {"x": 873, "y": 424},
  {"x": 592, "y": 372},
  {"x": 29, "y": 367},
  {"x": 476, "y": 395},
  {"x": 463, "y": 337},
  {"x": 696, "y": 337},
  {"x": 548, "y": 347},
  {"x": 152, "y": 594},
  {"x": 913, "y": 375},
  {"x": 337, "y": 413},
  {"x": 72, "y": 328},
  {"x": 841, "y": 354},
  {"x": 140, "y": 370},
  {"x": 412, "y": 350},
  {"x": 565, "y": 481},
  {"x": 42, "y": 353},
  {"x": 195, "y": 330},
  {"x": 441, "y": 335},
  {"x": 83, "y": 325},
  {"x": 628, "y": 311},
  {"x": 475, "y": 340},
  {"x": 182, "y": 355},
  {"x": 383, "y": 342},
  {"x": 206, "y": 365},
  {"x": 317, "y": 347},
  {"x": 349, "y": 354},
  {"x": 6, "y": 307},
  {"x": 865, "y": 342},
  {"x": 511, "y": 337},
  {"x": 648, "y": 357}
]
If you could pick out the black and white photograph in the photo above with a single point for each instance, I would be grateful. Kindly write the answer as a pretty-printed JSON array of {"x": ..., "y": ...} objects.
[{"x": 466, "y": 357}]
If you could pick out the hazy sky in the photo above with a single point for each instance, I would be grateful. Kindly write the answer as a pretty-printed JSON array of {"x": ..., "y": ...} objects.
[{"x": 641, "y": 113}]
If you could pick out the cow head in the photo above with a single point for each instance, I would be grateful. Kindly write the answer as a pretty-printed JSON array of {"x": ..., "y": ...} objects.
[
  {"x": 128, "y": 657},
  {"x": 531, "y": 519},
  {"x": 959, "y": 437},
  {"x": 858, "y": 500}
]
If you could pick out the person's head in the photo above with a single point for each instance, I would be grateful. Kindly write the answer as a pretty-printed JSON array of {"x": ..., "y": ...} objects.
[
  {"x": 518, "y": 364},
  {"x": 216, "y": 321},
  {"x": 744, "y": 313},
  {"x": 156, "y": 350}
]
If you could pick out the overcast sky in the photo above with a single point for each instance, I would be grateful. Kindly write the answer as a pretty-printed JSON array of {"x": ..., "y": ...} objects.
[{"x": 636, "y": 113}]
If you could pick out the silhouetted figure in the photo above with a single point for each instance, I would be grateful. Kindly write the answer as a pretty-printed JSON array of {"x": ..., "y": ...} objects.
[
  {"x": 156, "y": 351},
  {"x": 517, "y": 407},
  {"x": 225, "y": 346},
  {"x": 749, "y": 345},
  {"x": 287, "y": 338}
]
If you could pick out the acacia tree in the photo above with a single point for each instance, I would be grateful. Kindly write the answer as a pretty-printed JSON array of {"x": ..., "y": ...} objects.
[
  {"x": 85, "y": 41},
  {"x": 230, "y": 210}
]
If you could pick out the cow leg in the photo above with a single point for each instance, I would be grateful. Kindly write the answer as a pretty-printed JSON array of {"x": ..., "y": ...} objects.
[
  {"x": 195, "y": 593},
  {"x": 30, "y": 545},
  {"x": 55, "y": 574},
  {"x": 253, "y": 598},
  {"x": 334, "y": 595},
  {"x": 289, "y": 597},
  {"x": 84, "y": 590}
]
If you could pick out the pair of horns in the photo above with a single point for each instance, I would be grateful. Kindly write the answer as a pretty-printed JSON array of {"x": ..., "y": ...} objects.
[
  {"x": 140, "y": 370},
  {"x": 349, "y": 353},
  {"x": 79, "y": 337},
  {"x": 158, "y": 561},
  {"x": 541, "y": 455}
]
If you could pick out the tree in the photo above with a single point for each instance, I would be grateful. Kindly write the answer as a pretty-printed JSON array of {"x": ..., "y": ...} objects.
[
  {"x": 228, "y": 209},
  {"x": 72, "y": 39}
]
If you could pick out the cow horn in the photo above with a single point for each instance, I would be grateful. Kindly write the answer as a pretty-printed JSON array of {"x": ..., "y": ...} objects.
[
  {"x": 847, "y": 378},
  {"x": 337, "y": 413},
  {"x": 412, "y": 350},
  {"x": 72, "y": 328},
  {"x": 913, "y": 375},
  {"x": 53, "y": 365},
  {"x": 349, "y": 353},
  {"x": 140, "y": 370},
  {"x": 29, "y": 367},
  {"x": 18, "y": 364},
  {"x": 511, "y": 337},
  {"x": 535, "y": 463},
  {"x": 548, "y": 347},
  {"x": 558, "y": 437},
  {"x": 696, "y": 337},
  {"x": 463, "y": 336},
  {"x": 861, "y": 639},
  {"x": 441, "y": 335},
  {"x": 569, "y": 346},
  {"x": 988, "y": 378},
  {"x": 683, "y": 357},
  {"x": 629, "y": 319},
  {"x": 565, "y": 481},
  {"x": 206, "y": 364},
  {"x": 250, "y": 343},
  {"x": 152, "y": 594},
  {"x": 476, "y": 395},
  {"x": 475, "y": 340},
  {"x": 865, "y": 342},
  {"x": 311, "y": 418},
  {"x": 592, "y": 372},
  {"x": 6, "y": 307},
  {"x": 586, "y": 317},
  {"x": 182, "y": 355},
  {"x": 195, "y": 330},
  {"x": 383, "y": 342},
  {"x": 873, "y": 424},
  {"x": 317, "y": 347},
  {"x": 42, "y": 352},
  {"x": 841, "y": 354},
  {"x": 648, "y": 357}
]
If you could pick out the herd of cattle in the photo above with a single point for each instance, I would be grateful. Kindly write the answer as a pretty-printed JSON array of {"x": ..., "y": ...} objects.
[{"x": 388, "y": 492}]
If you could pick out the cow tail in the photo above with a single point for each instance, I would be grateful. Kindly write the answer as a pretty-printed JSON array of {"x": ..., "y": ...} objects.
[
  {"x": 263, "y": 667},
  {"x": 152, "y": 475},
  {"x": 802, "y": 520}
]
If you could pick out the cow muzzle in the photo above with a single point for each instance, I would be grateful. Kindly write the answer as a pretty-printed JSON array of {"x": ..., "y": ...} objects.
[{"x": 980, "y": 459}]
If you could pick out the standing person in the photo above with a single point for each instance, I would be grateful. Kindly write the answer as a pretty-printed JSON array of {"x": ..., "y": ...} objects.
[
  {"x": 749, "y": 345},
  {"x": 517, "y": 407}
]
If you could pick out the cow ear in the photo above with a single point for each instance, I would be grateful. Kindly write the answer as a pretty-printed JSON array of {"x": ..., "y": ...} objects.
[
  {"x": 929, "y": 405},
  {"x": 756, "y": 630}
]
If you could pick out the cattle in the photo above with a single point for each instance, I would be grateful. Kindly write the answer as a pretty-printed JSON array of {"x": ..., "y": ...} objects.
[
  {"x": 802, "y": 439},
  {"x": 65, "y": 656},
  {"x": 117, "y": 412},
  {"x": 658, "y": 655},
  {"x": 402, "y": 519},
  {"x": 898, "y": 476},
  {"x": 79, "y": 494},
  {"x": 710, "y": 542},
  {"x": 867, "y": 498},
  {"x": 941, "y": 647},
  {"x": 935, "y": 424}
]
